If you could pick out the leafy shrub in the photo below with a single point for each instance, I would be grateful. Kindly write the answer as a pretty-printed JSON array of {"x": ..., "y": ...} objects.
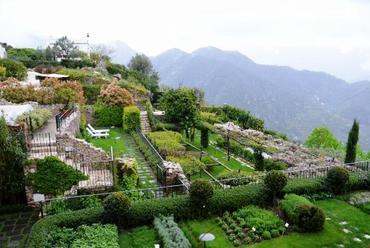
[
  {"x": 266, "y": 235},
  {"x": 275, "y": 233},
  {"x": 71, "y": 63},
  {"x": 14, "y": 69},
  {"x": 270, "y": 164},
  {"x": 106, "y": 116},
  {"x": 189, "y": 164},
  {"x": 131, "y": 118},
  {"x": 210, "y": 117},
  {"x": 200, "y": 192},
  {"x": 114, "y": 95},
  {"x": 38, "y": 117},
  {"x": 262, "y": 220},
  {"x": 276, "y": 134},
  {"x": 116, "y": 207},
  {"x": 53, "y": 176},
  {"x": 337, "y": 179},
  {"x": 96, "y": 235},
  {"x": 84, "y": 76},
  {"x": 40, "y": 232},
  {"x": 91, "y": 92},
  {"x": 168, "y": 143},
  {"x": 170, "y": 234},
  {"x": 303, "y": 213},
  {"x": 116, "y": 69}
]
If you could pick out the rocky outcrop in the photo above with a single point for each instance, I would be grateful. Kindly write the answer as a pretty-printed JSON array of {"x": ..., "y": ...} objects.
[
  {"x": 175, "y": 174},
  {"x": 293, "y": 154}
]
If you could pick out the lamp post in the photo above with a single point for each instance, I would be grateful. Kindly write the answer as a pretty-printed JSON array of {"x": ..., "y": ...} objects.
[
  {"x": 39, "y": 198},
  {"x": 228, "y": 127},
  {"x": 206, "y": 237}
]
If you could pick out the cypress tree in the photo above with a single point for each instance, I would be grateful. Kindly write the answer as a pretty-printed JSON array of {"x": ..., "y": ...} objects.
[
  {"x": 204, "y": 137},
  {"x": 352, "y": 143}
]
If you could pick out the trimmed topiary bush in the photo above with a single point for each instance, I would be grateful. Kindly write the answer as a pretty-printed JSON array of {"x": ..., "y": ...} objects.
[
  {"x": 131, "y": 118},
  {"x": 301, "y": 212},
  {"x": 200, "y": 192},
  {"x": 310, "y": 218},
  {"x": 337, "y": 179},
  {"x": 274, "y": 183},
  {"x": 116, "y": 207}
]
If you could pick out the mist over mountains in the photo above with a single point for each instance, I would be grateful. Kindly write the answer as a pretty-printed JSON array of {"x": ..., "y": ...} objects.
[{"x": 291, "y": 101}]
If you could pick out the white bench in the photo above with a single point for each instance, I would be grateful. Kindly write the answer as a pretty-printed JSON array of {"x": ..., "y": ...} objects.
[
  {"x": 97, "y": 130},
  {"x": 97, "y": 135}
]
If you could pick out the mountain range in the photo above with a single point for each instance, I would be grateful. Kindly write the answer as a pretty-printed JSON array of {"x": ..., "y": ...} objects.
[{"x": 289, "y": 100}]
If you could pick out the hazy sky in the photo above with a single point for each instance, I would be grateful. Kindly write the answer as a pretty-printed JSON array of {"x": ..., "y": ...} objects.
[{"x": 325, "y": 35}]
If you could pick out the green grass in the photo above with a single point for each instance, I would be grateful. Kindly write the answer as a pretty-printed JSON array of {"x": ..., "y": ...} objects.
[
  {"x": 115, "y": 140},
  {"x": 192, "y": 230},
  {"x": 333, "y": 234},
  {"x": 141, "y": 237},
  {"x": 220, "y": 156}
]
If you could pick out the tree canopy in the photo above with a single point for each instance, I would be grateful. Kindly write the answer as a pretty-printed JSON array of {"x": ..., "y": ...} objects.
[
  {"x": 181, "y": 107},
  {"x": 12, "y": 158},
  {"x": 322, "y": 137}
]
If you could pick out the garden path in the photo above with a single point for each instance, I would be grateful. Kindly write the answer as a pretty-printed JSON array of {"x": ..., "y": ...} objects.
[{"x": 146, "y": 175}]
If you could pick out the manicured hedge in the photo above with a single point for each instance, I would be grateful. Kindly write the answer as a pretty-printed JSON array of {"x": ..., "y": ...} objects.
[
  {"x": 301, "y": 212},
  {"x": 106, "y": 116},
  {"x": 39, "y": 232},
  {"x": 131, "y": 118}
]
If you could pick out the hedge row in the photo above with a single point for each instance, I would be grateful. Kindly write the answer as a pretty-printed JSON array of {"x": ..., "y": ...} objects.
[{"x": 142, "y": 212}]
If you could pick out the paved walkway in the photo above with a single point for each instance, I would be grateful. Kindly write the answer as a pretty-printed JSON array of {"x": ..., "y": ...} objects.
[
  {"x": 146, "y": 176},
  {"x": 14, "y": 228}
]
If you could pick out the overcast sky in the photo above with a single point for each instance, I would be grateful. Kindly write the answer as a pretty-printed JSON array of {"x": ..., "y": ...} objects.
[{"x": 324, "y": 35}]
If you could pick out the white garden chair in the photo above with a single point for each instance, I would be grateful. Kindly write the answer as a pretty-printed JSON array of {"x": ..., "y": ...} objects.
[
  {"x": 96, "y": 135},
  {"x": 97, "y": 130}
]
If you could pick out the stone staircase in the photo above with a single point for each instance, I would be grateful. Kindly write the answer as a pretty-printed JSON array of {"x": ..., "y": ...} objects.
[{"x": 144, "y": 122}]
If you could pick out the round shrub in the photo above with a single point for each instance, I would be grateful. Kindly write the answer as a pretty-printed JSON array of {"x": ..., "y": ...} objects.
[
  {"x": 275, "y": 233},
  {"x": 310, "y": 218},
  {"x": 274, "y": 183},
  {"x": 116, "y": 206},
  {"x": 200, "y": 192},
  {"x": 266, "y": 235},
  {"x": 337, "y": 179}
]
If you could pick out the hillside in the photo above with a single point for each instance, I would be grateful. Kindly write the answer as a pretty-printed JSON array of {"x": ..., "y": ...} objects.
[{"x": 289, "y": 100}]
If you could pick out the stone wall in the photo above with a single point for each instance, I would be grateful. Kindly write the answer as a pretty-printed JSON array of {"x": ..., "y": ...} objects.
[{"x": 80, "y": 149}]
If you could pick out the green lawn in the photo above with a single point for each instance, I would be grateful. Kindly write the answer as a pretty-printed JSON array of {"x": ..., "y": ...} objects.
[
  {"x": 332, "y": 235},
  {"x": 193, "y": 229},
  {"x": 141, "y": 237},
  {"x": 220, "y": 156},
  {"x": 115, "y": 140}
]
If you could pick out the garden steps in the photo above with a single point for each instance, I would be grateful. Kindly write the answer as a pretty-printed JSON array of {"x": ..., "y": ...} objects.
[{"x": 144, "y": 122}]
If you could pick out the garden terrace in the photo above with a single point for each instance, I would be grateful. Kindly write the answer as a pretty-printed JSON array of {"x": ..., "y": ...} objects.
[
  {"x": 294, "y": 155},
  {"x": 142, "y": 212}
]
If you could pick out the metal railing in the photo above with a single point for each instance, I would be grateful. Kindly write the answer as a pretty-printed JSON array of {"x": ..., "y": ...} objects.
[{"x": 61, "y": 117}]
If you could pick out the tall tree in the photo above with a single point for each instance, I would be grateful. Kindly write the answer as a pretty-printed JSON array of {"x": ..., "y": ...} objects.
[
  {"x": 322, "y": 137},
  {"x": 142, "y": 70},
  {"x": 181, "y": 107},
  {"x": 12, "y": 158},
  {"x": 352, "y": 143},
  {"x": 65, "y": 48}
]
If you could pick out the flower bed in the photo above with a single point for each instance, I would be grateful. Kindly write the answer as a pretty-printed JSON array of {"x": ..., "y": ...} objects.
[{"x": 251, "y": 224}]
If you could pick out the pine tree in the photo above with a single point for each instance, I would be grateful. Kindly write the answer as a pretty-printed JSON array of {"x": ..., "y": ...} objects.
[
  {"x": 352, "y": 143},
  {"x": 204, "y": 139}
]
